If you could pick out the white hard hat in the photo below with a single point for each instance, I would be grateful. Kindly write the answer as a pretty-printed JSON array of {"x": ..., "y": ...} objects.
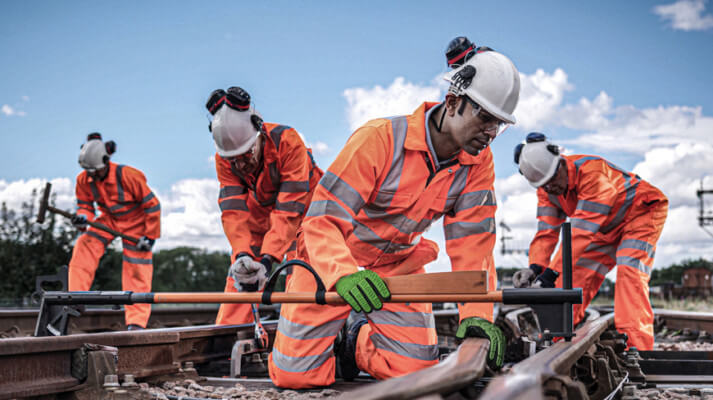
[
  {"x": 93, "y": 154},
  {"x": 538, "y": 159},
  {"x": 491, "y": 80},
  {"x": 236, "y": 124}
]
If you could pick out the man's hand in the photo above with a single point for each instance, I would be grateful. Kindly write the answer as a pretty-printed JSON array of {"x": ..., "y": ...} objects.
[
  {"x": 363, "y": 290},
  {"x": 248, "y": 273},
  {"x": 546, "y": 279},
  {"x": 80, "y": 222},
  {"x": 145, "y": 244},
  {"x": 524, "y": 277},
  {"x": 482, "y": 328}
]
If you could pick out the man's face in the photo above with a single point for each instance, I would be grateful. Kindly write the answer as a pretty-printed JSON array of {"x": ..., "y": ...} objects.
[
  {"x": 98, "y": 173},
  {"x": 475, "y": 128},
  {"x": 557, "y": 185}
]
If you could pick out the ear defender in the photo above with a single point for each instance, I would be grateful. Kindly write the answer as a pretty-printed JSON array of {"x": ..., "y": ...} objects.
[
  {"x": 257, "y": 122},
  {"x": 110, "y": 147},
  {"x": 518, "y": 150}
]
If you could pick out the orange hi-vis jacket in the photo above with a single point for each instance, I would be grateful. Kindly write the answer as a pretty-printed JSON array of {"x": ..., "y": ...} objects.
[
  {"x": 122, "y": 196},
  {"x": 383, "y": 191},
  {"x": 281, "y": 193},
  {"x": 599, "y": 197}
]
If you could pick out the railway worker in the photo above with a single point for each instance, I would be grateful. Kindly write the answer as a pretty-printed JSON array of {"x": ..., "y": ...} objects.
[
  {"x": 617, "y": 218},
  {"x": 127, "y": 205},
  {"x": 267, "y": 176},
  {"x": 393, "y": 178}
]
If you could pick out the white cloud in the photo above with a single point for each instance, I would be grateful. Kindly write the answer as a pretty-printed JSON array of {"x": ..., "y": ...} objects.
[
  {"x": 320, "y": 148},
  {"x": 685, "y": 15},
  {"x": 10, "y": 111},
  {"x": 540, "y": 96},
  {"x": 401, "y": 97},
  {"x": 14, "y": 194}
]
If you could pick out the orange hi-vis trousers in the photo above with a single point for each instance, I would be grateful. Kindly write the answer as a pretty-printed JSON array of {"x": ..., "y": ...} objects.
[
  {"x": 137, "y": 268},
  {"x": 633, "y": 253},
  {"x": 397, "y": 340}
]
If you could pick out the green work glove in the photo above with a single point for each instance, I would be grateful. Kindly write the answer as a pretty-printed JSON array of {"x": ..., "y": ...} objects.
[
  {"x": 363, "y": 290},
  {"x": 482, "y": 328}
]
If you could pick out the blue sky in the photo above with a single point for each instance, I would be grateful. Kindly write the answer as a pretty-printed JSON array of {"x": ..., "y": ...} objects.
[{"x": 627, "y": 80}]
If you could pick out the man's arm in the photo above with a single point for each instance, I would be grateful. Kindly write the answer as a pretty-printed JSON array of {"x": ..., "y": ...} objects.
[
  {"x": 549, "y": 220},
  {"x": 136, "y": 180},
  {"x": 85, "y": 200},
  {"x": 234, "y": 209}
]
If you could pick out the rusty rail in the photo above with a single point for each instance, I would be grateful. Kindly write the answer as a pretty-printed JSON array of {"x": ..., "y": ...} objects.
[
  {"x": 686, "y": 319},
  {"x": 35, "y": 366}
]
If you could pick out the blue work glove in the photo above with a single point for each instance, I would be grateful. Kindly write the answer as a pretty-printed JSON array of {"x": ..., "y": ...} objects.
[
  {"x": 363, "y": 290},
  {"x": 482, "y": 328},
  {"x": 524, "y": 277},
  {"x": 546, "y": 279},
  {"x": 80, "y": 221},
  {"x": 145, "y": 244}
]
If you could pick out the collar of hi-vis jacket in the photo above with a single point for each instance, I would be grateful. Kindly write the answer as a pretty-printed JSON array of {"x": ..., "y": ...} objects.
[
  {"x": 109, "y": 179},
  {"x": 416, "y": 135}
]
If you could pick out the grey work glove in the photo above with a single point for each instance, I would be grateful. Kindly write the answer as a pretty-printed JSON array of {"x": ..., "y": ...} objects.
[
  {"x": 80, "y": 222},
  {"x": 524, "y": 277},
  {"x": 251, "y": 275},
  {"x": 145, "y": 244}
]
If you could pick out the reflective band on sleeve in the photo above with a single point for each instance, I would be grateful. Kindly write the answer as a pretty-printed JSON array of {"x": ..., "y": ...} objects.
[
  {"x": 148, "y": 198},
  {"x": 230, "y": 191},
  {"x": 548, "y": 211},
  {"x": 474, "y": 199},
  {"x": 343, "y": 191},
  {"x": 409, "y": 350},
  {"x": 294, "y": 186},
  {"x": 328, "y": 207},
  {"x": 591, "y": 206},
  {"x": 458, "y": 230},
  {"x": 292, "y": 206},
  {"x": 585, "y": 225},
  {"x": 233, "y": 204},
  {"x": 634, "y": 263},
  {"x": 153, "y": 209},
  {"x": 544, "y": 226},
  {"x": 399, "y": 127}
]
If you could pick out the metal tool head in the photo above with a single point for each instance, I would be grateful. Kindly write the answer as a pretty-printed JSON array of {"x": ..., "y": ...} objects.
[{"x": 44, "y": 203}]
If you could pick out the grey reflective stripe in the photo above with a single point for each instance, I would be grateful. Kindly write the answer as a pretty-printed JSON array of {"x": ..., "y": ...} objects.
[
  {"x": 89, "y": 203},
  {"x": 578, "y": 163},
  {"x": 474, "y": 199},
  {"x": 135, "y": 260},
  {"x": 548, "y": 211},
  {"x": 366, "y": 235},
  {"x": 399, "y": 127},
  {"x": 306, "y": 332},
  {"x": 148, "y": 198},
  {"x": 230, "y": 191},
  {"x": 276, "y": 134},
  {"x": 458, "y": 230},
  {"x": 544, "y": 226},
  {"x": 593, "y": 265},
  {"x": 403, "y": 319},
  {"x": 554, "y": 200},
  {"x": 117, "y": 207},
  {"x": 607, "y": 249},
  {"x": 274, "y": 177},
  {"x": 341, "y": 190},
  {"x": 153, "y": 209},
  {"x": 293, "y": 246},
  {"x": 119, "y": 214},
  {"x": 98, "y": 237},
  {"x": 398, "y": 221},
  {"x": 634, "y": 263},
  {"x": 292, "y": 206},
  {"x": 628, "y": 200},
  {"x": 255, "y": 250},
  {"x": 585, "y": 225},
  {"x": 456, "y": 188},
  {"x": 119, "y": 186},
  {"x": 294, "y": 186},
  {"x": 95, "y": 192},
  {"x": 233, "y": 204},
  {"x": 127, "y": 245},
  {"x": 300, "y": 364},
  {"x": 328, "y": 207},
  {"x": 591, "y": 206},
  {"x": 411, "y": 350},
  {"x": 638, "y": 244}
]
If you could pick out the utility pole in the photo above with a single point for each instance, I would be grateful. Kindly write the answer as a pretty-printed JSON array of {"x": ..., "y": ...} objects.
[
  {"x": 504, "y": 238},
  {"x": 705, "y": 217}
]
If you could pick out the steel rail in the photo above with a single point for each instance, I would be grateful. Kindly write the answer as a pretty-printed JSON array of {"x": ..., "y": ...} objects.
[
  {"x": 35, "y": 366},
  {"x": 525, "y": 379},
  {"x": 686, "y": 319}
]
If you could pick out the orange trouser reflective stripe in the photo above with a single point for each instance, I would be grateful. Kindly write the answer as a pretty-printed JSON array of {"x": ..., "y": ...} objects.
[
  {"x": 137, "y": 270},
  {"x": 233, "y": 314},
  {"x": 633, "y": 254},
  {"x": 399, "y": 339}
]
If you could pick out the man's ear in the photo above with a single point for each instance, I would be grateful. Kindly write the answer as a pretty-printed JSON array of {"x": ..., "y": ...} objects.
[{"x": 451, "y": 104}]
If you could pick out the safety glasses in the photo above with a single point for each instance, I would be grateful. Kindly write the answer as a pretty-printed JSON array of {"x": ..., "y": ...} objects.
[{"x": 486, "y": 117}]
